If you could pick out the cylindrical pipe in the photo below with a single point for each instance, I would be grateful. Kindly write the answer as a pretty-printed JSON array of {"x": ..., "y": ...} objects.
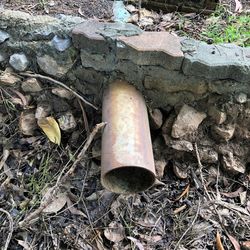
[{"x": 127, "y": 163}]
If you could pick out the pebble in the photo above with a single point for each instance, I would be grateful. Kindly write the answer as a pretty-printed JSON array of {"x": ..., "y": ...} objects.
[
  {"x": 19, "y": 61},
  {"x": 3, "y": 36},
  {"x": 27, "y": 122},
  {"x": 208, "y": 155},
  {"x": 155, "y": 118},
  {"x": 241, "y": 98},
  {"x": 3, "y": 57},
  {"x": 63, "y": 93},
  {"x": 8, "y": 78},
  {"x": 179, "y": 171},
  {"x": 61, "y": 44},
  {"x": 187, "y": 121},
  {"x": 160, "y": 167},
  {"x": 67, "y": 122},
  {"x": 43, "y": 110},
  {"x": 223, "y": 132},
  {"x": 179, "y": 145},
  {"x": 31, "y": 85},
  {"x": 232, "y": 165},
  {"x": 216, "y": 115}
]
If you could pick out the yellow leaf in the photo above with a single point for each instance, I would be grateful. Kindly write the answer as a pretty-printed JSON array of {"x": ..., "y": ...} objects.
[
  {"x": 51, "y": 128},
  {"x": 219, "y": 245}
]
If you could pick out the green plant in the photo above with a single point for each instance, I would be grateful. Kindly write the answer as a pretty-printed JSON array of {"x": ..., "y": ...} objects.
[{"x": 223, "y": 27}]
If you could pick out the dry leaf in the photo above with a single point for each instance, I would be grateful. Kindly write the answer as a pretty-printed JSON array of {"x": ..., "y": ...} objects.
[
  {"x": 136, "y": 242},
  {"x": 234, "y": 242},
  {"x": 74, "y": 210},
  {"x": 180, "y": 209},
  {"x": 51, "y": 128},
  {"x": 57, "y": 204},
  {"x": 115, "y": 232},
  {"x": 238, "y": 6},
  {"x": 24, "y": 244},
  {"x": 219, "y": 245},
  {"x": 233, "y": 194}
]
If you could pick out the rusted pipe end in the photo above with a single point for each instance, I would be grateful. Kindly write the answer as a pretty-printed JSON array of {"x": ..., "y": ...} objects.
[{"x": 127, "y": 156}]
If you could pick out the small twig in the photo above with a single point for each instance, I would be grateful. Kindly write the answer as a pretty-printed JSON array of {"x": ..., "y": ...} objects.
[
  {"x": 6, "y": 154},
  {"x": 60, "y": 84},
  {"x": 11, "y": 228},
  {"x": 85, "y": 119},
  {"x": 191, "y": 225},
  {"x": 62, "y": 178}
]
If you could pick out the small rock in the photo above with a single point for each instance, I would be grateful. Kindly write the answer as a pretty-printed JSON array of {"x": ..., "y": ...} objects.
[
  {"x": 187, "y": 121},
  {"x": 51, "y": 67},
  {"x": 167, "y": 125},
  {"x": 31, "y": 85},
  {"x": 217, "y": 116},
  {"x": 241, "y": 98},
  {"x": 3, "y": 57},
  {"x": 115, "y": 232},
  {"x": 63, "y": 93},
  {"x": 131, "y": 8},
  {"x": 180, "y": 145},
  {"x": 8, "y": 78},
  {"x": 3, "y": 36},
  {"x": 232, "y": 165},
  {"x": 155, "y": 118},
  {"x": 180, "y": 170},
  {"x": 27, "y": 122},
  {"x": 223, "y": 132},
  {"x": 19, "y": 61},
  {"x": 43, "y": 110},
  {"x": 160, "y": 167},
  {"x": 246, "y": 245},
  {"x": 208, "y": 155},
  {"x": 67, "y": 122},
  {"x": 61, "y": 44}
]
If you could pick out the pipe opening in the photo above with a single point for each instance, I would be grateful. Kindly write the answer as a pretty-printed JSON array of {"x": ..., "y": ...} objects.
[{"x": 128, "y": 179}]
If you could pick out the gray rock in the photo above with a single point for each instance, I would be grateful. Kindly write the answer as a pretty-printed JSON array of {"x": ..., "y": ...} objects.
[
  {"x": 3, "y": 57},
  {"x": 155, "y": 118},
  {"x": 187, "y": 121},
  {"x": 225, "y": 61},
  {"x": 63, "y": 93},
  {"x": 208, "y": 155},
  {"x": 61, "y": 44},
  {"x": 223, "y": 132},
  {"x": 181, "y": 145},
  {"x": 232, "y": 164},
  {"x": 67, "y": 122},
  {"x": 43, "y": 110},
  {"x": 99, "y": 62},
  {"x": 19, "y": 61},
  {"x": 120, "y": 13},
  {"x": 241, "y": 98},
  {"x": 53, "y": 67},
  {"x": 217, "y": 116},
  {"x": 31, "y": 85},
  {"x": 3, "y": 36}
]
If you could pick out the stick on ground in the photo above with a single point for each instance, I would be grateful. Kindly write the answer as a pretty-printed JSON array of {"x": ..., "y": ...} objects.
[{"x": 62, "y": 178}]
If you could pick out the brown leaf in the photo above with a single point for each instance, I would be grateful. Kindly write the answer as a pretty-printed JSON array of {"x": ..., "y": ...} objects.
[
  {"x": 27, "y": 122},
  {"x": 74, "y": 210},
  {"x": 179, "y": 209},
  {"x": 136, "y": 242},
  {"x": 234, "y": 194},
  {"x": 234, "y": 242},
  {"x": 185, "y": 192},
  {"x": 219, "y": 245},
  {"x": 57, "y": 204},
  {"x": 115, "y": 232},
  {"x": 51, "y": 128}
]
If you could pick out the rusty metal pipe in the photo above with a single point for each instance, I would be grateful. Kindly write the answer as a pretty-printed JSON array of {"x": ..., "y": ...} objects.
[{"x": 127, "y": 163}]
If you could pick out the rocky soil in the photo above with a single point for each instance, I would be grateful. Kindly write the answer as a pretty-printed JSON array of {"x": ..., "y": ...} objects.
[{"x": 51, "y": 196}]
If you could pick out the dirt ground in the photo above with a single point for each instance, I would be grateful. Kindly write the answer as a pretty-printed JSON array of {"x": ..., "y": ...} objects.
[{"x": 199, "y": 208}]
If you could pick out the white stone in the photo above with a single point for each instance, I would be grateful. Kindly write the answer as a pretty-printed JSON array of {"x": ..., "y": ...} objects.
[{"x": 187, "y": 121}]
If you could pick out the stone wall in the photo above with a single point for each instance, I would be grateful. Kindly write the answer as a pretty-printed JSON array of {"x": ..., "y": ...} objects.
[{"x": 189, "y": 81}]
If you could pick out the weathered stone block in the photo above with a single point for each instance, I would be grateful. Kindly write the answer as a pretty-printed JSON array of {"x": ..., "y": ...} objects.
[
  {"x": 99, "y": 62},
  {"x": 152, "y": 48},
  {"x": 225, "y": 61},
  {"x": 96, "y": 36}
]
